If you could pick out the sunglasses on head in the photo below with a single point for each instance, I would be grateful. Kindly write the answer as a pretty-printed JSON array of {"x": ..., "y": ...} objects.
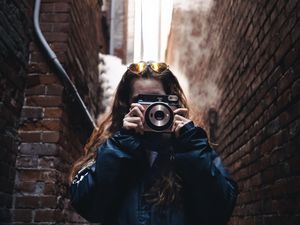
[{"x": 141, "y": 66}]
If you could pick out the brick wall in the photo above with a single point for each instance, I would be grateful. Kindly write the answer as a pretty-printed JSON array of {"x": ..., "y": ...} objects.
[
  {"x": 51, "y": 127},
  {"x": 13, "y": 63},
  {"x": 242, "y": 58}
]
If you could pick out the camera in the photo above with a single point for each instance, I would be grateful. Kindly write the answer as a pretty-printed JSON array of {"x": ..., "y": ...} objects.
[{"x": 158, "y": 112}]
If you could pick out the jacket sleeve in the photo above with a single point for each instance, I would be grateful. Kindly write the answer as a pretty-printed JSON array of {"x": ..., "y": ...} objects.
[
  {"x": 210, "y": 192},
  {"x": 96, "y": 191}
]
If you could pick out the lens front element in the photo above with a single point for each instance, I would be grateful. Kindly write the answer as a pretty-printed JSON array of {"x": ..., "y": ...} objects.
[{"x": 159, "y": 116}]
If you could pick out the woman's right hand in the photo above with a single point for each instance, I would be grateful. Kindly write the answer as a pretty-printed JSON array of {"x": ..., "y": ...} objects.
[{"x": 135, "y": 118}]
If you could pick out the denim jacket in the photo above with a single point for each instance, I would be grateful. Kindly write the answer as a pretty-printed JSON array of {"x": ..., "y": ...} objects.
[{"x": 109, "y": 189}]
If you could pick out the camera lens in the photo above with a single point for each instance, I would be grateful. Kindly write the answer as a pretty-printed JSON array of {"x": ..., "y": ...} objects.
[{"x": 159, "y": 115}]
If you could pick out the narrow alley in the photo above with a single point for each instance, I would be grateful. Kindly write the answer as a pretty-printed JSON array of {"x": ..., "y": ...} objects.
[{"x": 60, "y": 64}]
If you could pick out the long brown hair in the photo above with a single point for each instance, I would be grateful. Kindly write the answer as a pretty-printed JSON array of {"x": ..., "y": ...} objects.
[{"x": 166, "y": 189}]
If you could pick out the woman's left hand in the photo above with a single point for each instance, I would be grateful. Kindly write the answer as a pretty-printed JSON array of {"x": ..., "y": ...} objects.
[{"x": 179, "y": 120}]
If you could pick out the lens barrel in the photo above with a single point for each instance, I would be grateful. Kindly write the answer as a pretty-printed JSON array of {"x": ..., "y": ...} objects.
[{"x": 159, "y": 116}]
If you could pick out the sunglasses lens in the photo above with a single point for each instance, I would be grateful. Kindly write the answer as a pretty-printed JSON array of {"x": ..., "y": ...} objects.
[
  {"x": 159, "y": 67},
  {"x": 137, "y": 67},
  {"x": 141, "y": 66}
]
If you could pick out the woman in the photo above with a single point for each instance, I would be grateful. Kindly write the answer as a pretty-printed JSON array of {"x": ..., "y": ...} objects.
[{"x": 130, "y": 177}]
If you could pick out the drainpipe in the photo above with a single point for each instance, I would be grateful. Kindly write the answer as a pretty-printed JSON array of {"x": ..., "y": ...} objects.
[
  {"x": 112, "y": 27},
  {"x": 67, "y": 82}
]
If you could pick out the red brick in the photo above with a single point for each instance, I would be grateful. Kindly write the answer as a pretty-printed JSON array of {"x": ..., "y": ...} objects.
[
  {"x": 33, "y": 47},
  {"x": 22, "y": 215},
  {"x": 42, "y": 125},
  {"x": 51, "y": 137},
  {"x": 291, "y": 56},
  {"x": 54, "y": 89},
  {"x": 30, "y": 136},
  {"x": 53, "y": 113},
  {"x": 59, "y": 46},
  {"x": 62, "y": 7},
  {"x": 32, "y": 112},
  {"x": 258, "y": 82},
  {"x": 48, "y": 202},
  {"x": 284, "y": 99},
  {"x": 25, "y": 187},
  {"x": 34, "y": 202},
  {"x": 295, "y": 33},
  {"x": 52, "y": 124},
  {"x": 289, "y": 115},
  {"x": 56, "y": 36},
  {"x": 38, "y": 67},
  {"x": 294, "y": 129},
  {"x": 259, "y": 112},
  {"x": 61, "y": 27},
  {"x": 47, "y": 27},
  {"x": 290, "y": 5},
  {"x": 48, "y": 215},
  {"x": 271, "y": 96},
  {"x": 47, "y": 7},
  {"x": 31, "y": 202},
  {"x": 283, "y": 48},
  {"x": 41, "y": 149},
  {"x": 37, "y": 175},
  {"x": 62, "y": 57},
  {"x": 61, "y": 17},
  {"x": 37, "y": 79},
  {"x": 36, "y": 90},
  {"x": 44, "y": 101},
  {"x": 27, "y": 162},
  {"x": 50, "y": 188},
  {"x": 36, "y": 56},
  {"x": 296, "y": 89},
  {"x": 49, "y": 162}
]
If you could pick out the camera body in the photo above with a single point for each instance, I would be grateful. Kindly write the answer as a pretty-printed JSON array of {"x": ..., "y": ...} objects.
[{"x": 158, "y": 112}]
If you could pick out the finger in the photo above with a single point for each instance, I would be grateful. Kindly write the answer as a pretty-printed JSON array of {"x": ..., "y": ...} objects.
[
  {"x": 136, "y": 119},
  {"x": 177, "y": 129},
  {"x": 172, "y": 128},
  {"x": 137, "y": 105},
  {"x": 178, "y": 123},
  {"x": 136, "y": 112},
  {"x": 175, "y": 124},
  {"x": 128, "y": 125},
  {"x": 179, "y": 126},
  {"x": 127, "y": 115},
  {"x": 140, "y": 128},
  {"x": 180, "y": 118},
  {"x": 181, "y": 111}
]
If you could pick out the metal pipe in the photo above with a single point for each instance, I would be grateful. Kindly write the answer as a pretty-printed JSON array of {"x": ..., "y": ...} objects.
[
  {"x": 67, "y": 82},
  {"x": 112, "y": 27}
]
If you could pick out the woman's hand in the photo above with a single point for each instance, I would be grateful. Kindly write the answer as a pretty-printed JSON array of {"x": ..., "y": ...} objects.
[
  {"x": 135, "y": 118},
  {"x": 179, "y": 120}
]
